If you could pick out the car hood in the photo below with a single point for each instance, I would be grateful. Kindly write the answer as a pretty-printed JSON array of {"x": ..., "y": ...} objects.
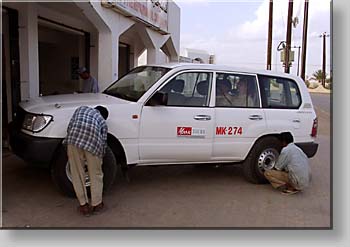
[{"x": 47, "y": 104}]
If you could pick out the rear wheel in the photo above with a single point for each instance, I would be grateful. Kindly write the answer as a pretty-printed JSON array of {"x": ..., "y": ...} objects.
[
  {"x": 61, "y": 175},
  {"x": 263, "y": 156}
]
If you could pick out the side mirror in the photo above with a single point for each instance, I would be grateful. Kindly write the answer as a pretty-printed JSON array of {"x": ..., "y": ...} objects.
[{"x": 159, "y": 98}]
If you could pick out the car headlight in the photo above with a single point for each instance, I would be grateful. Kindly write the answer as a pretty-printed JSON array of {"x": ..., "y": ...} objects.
[{"x": 35, "y": 122}]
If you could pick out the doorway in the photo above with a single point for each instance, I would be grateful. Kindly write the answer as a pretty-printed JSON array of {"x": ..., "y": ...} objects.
[
  {"x": 124, "y": 59},
  {"x": 62, "y": 50}
]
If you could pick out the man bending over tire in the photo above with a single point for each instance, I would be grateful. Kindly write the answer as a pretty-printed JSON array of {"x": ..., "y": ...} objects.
[
  {"x": 86, "y": 145},
  {"x": 292, "y": 171}
]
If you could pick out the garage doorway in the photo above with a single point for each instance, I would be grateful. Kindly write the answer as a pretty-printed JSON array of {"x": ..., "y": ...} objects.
[
  {"x": 124, "y": 59},
  {"x": 62, "y": 50}
]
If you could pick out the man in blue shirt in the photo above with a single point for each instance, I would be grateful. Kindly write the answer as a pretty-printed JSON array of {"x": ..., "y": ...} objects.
[
  {"x": 90, "y": 84},
  {"x": 86, "y": 145},
  {"x": 292, "y": 171}
]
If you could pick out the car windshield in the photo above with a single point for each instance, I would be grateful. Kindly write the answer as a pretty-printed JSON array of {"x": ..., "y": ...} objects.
[{"x": 134, "y": 84}]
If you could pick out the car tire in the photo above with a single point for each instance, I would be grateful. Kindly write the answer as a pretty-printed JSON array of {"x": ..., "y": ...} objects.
[
  {"x": 262, "y": 157},
  {"x": 60, "y": 174}
]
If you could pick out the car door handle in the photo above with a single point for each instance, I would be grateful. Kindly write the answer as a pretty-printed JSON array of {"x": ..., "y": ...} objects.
[
  {"x": 255, "y": 117},
  {"x": 202, "y": 117},
  {"x": 296, "y": 121}
]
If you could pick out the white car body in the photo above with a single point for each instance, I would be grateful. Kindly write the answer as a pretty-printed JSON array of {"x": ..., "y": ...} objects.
[
  {"x": 185, "y": 134},
  {"x": 152, "y": 138}
]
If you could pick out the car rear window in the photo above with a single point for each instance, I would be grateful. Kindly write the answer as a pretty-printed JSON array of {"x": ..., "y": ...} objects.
[{"x": 278, "y": 92}]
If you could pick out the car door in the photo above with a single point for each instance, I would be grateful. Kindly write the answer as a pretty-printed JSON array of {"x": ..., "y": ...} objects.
[
  {"x": 281, "y": 103},
  {"x": 182, "y": 130},
  {"x": 239, "y": 118}
]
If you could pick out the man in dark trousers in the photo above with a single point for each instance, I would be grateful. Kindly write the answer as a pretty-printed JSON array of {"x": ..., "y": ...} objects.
[
  {"x": 292, "y": 172},
  {"x": 86, "y": 144}
]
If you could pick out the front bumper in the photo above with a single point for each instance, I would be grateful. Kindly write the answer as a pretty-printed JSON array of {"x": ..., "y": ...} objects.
[
  {"x": 35, "y": 150},
  {"x": 309, "y": 148}
]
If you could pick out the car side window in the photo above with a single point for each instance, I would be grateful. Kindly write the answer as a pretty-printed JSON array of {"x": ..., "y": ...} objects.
[
  {"x": 191, "y": 89},
  {"x": 235, "y": 90},
  {"x": 280, "y": 92}
]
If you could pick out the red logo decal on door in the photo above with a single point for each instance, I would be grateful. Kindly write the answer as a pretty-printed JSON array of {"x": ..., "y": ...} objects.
[{"x": 184, "y": 131}]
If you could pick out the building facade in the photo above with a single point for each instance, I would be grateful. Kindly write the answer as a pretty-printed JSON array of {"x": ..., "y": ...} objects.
[
  {"x": 196, "y": 56},
  {"x": 44, "y": 43}
]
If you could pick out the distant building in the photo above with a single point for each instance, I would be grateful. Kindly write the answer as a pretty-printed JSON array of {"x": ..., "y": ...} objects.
[{"x": 196, "y": 56}]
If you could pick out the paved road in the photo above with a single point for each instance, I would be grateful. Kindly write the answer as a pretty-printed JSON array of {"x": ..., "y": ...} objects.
[
  {"x": 183, "y": 196},
  {"x": 322, "y": 101}
]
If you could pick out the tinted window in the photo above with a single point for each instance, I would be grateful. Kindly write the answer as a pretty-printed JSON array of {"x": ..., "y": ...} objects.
[
  {"x": 234, "y": 90},
  {"x": 280, "y": 92},
  {"x": 189, "y": 89}
]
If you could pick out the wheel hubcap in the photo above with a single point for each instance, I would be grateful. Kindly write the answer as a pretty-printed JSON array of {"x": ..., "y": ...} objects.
[
  {"x": 86, "y": 175},
  {"x": 267, "y": 159}
]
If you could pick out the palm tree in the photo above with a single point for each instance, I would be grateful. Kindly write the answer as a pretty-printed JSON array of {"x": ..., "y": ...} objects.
[{"x": 318, "y": 75}]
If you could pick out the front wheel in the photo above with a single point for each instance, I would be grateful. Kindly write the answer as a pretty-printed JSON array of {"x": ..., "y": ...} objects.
[
  {"x": 61, "y": 175},
  {"x": 263, "y": 156}
]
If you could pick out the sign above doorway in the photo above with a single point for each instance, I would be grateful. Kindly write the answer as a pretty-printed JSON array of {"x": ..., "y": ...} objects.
[{"x": 150, "y": 12}]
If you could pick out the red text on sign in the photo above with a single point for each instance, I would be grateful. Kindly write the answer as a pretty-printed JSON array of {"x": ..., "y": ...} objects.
[{"x": 229, "y": 131}]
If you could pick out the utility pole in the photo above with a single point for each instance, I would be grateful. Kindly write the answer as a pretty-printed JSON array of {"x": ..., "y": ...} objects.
[
  {"x": 303, "y": 52},
  {"x": 289, "y": 37},
  {"x": 298, "y": 47},
  {"x": 324, "y": 35},
  {"x": 269, "y": 41}
]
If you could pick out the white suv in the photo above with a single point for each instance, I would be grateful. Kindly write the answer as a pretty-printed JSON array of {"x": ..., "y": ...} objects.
[{"x": 176, "y": 114}]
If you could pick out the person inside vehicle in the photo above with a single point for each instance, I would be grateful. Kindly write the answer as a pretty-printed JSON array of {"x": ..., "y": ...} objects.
[
  {"x": 239, "y": 97},
  {"x": 292, "y": 172},
  {"x": 86, "y": 145},
  {"x": 223, "y": 98}
]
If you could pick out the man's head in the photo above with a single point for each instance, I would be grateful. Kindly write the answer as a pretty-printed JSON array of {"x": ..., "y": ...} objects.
[
  {"x": 285, "y": 138},
  {"x": 223, "y": 87},
  {"x": 84, "y": 73},
  {"x": 242, "y": 87},
  {"x": 103, "y": 111}
]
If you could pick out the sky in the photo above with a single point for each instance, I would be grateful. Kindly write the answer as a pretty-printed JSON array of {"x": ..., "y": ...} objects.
[{"x": 236, "y": 31}]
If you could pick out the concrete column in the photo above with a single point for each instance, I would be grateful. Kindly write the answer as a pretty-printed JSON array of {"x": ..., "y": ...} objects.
[
  {"x": 109, "y": 25},
  {"x": 28, "y": 49},
  {"x": 107, "y": 58},
  {"x": 153, "y": 41},
  {"x": 153, "y": 55}
]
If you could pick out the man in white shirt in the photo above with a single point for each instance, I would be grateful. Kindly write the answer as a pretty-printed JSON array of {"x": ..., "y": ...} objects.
[
  {"x": 90, "y": 83},
  {"x": 292, "y": 172}
]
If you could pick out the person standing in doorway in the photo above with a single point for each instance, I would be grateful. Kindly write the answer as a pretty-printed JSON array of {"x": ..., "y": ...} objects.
[
  {"x": 86, "y": 145},
  {"x": 90, "y": 83},
  {"x": 292, "y": 172}
]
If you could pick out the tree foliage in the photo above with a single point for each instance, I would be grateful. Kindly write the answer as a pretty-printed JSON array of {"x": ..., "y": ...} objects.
[{"x": 318, "y": 75}]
